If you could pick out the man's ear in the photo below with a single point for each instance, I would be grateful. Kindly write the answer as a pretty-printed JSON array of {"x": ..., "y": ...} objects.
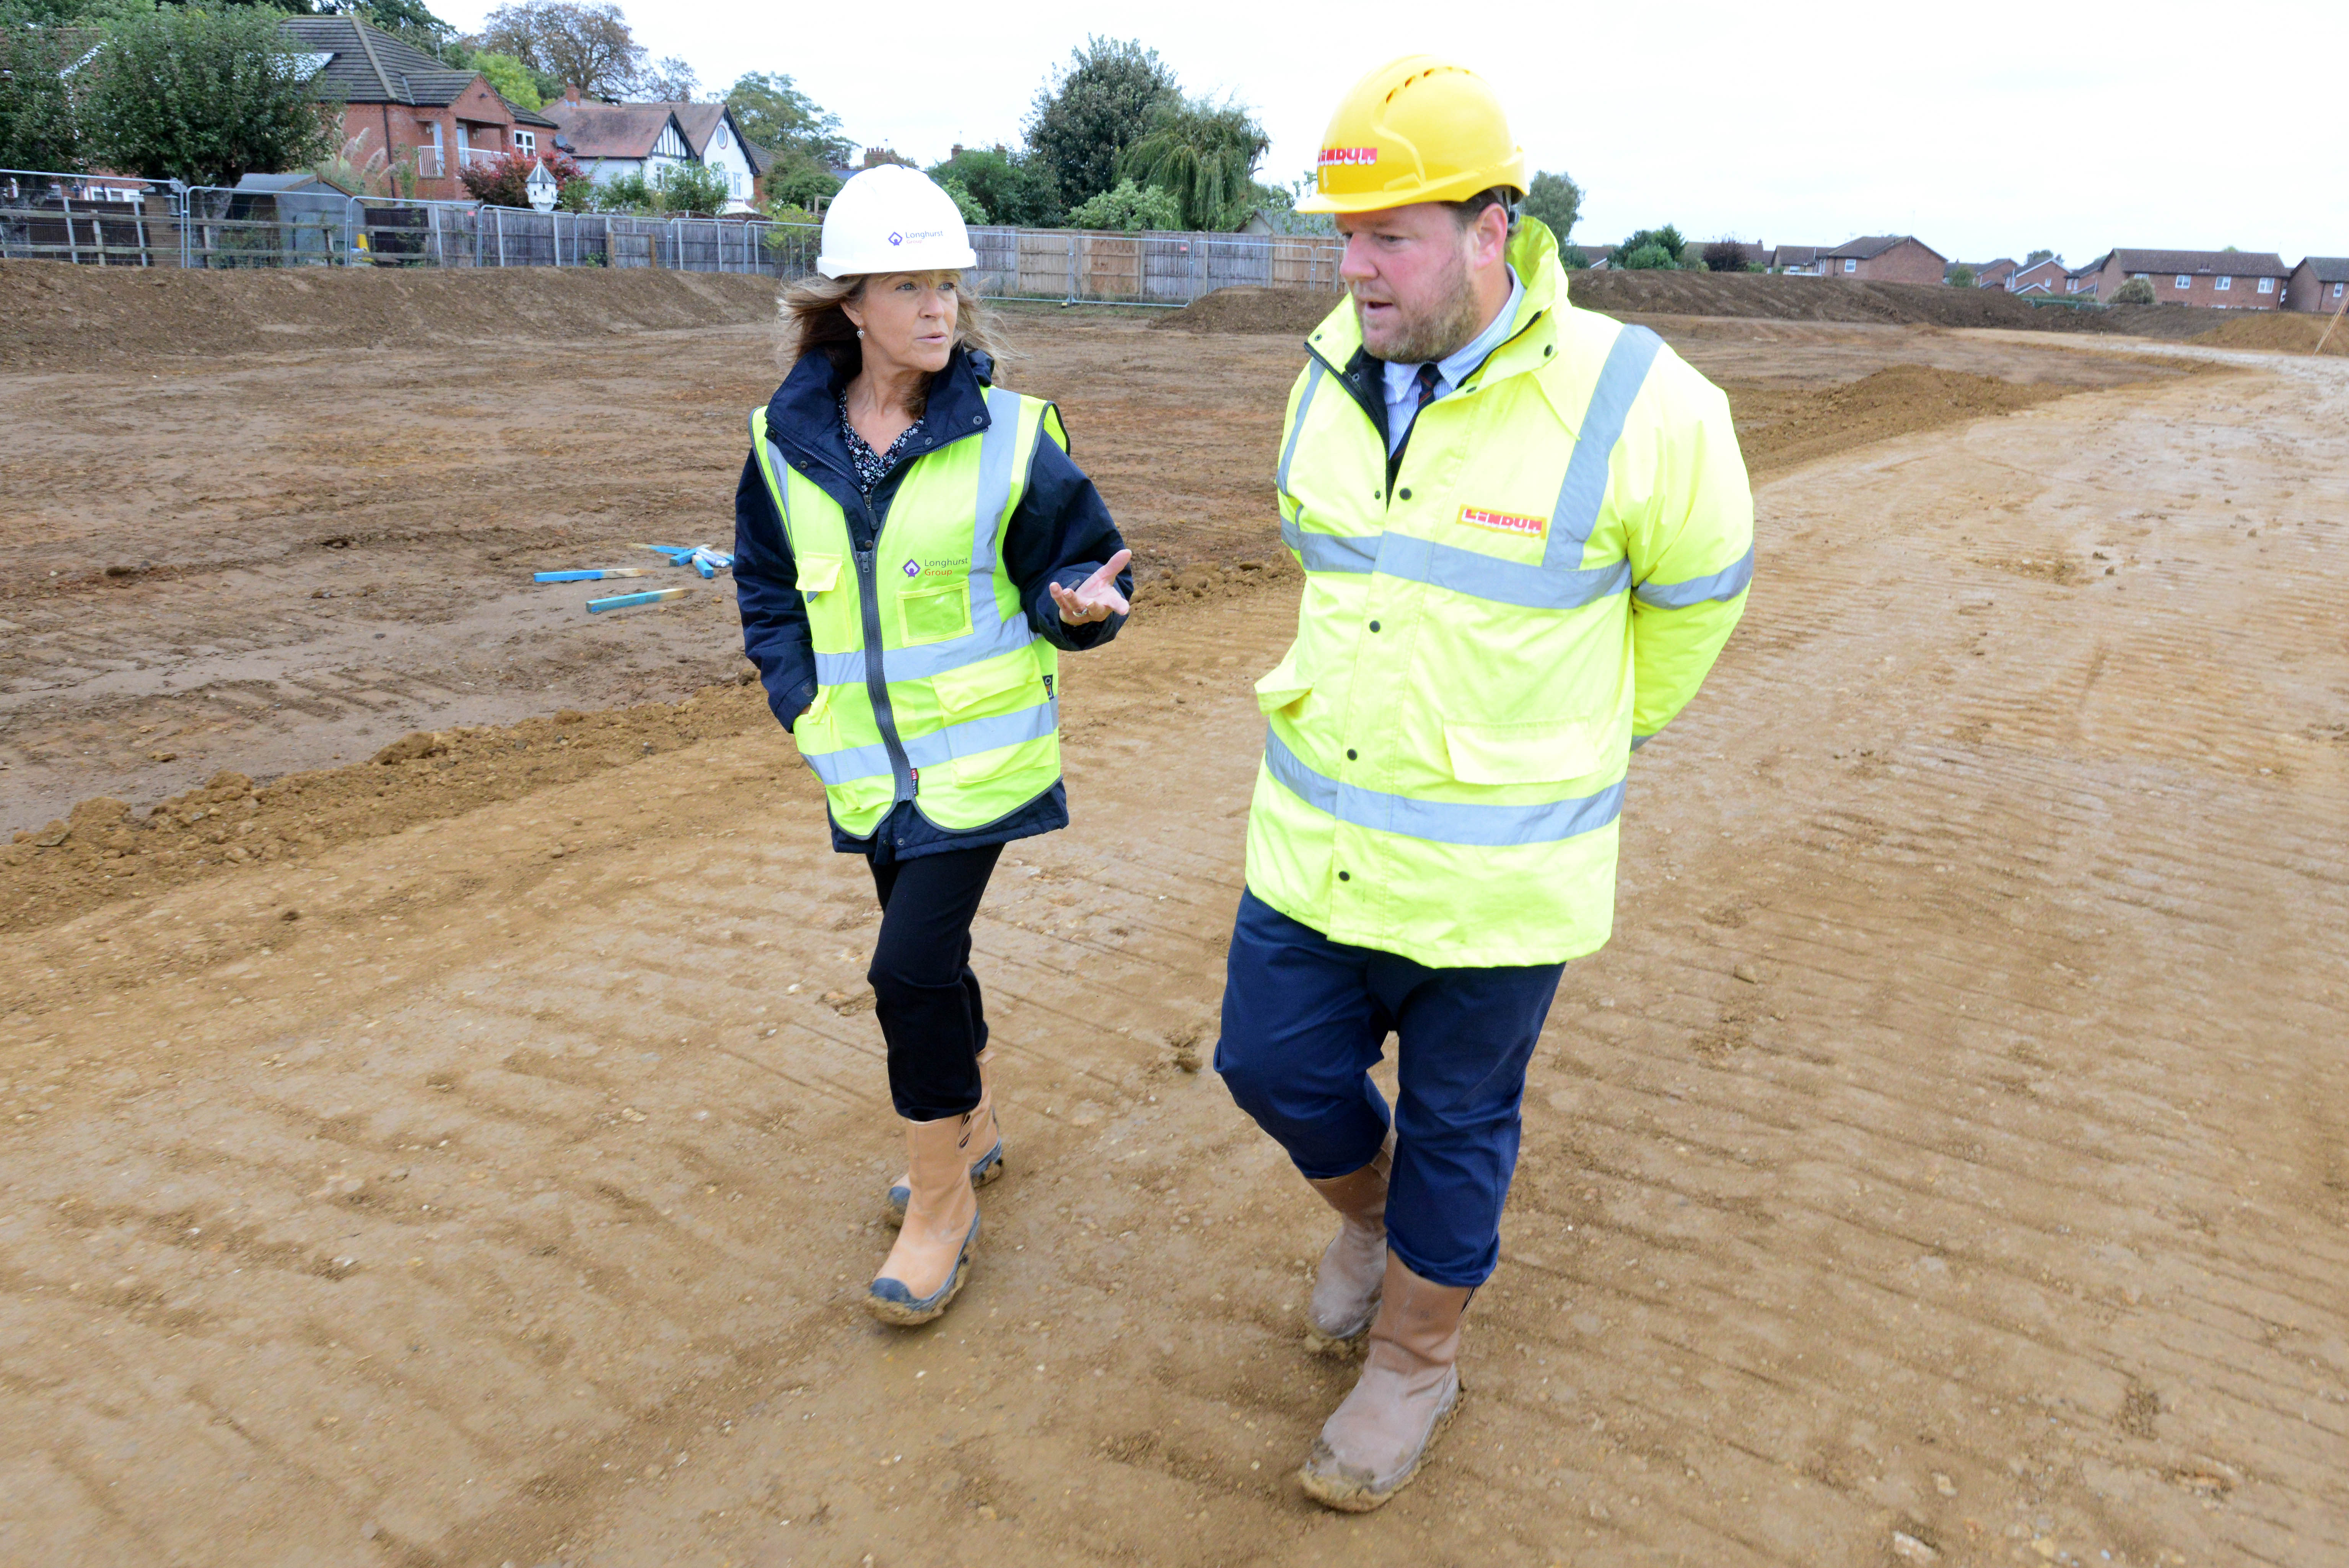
[{"x": 1492, "y": 235}]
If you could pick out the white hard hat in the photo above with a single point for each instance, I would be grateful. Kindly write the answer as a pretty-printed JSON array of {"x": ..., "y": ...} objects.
[{"x": 891, "y": 218}]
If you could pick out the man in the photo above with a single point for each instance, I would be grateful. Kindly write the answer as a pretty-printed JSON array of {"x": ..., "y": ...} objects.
[{"x": 1526, "y": 533}]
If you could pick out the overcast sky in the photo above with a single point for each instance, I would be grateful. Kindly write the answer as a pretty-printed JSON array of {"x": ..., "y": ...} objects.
[{"x": 1984, "y": 131}]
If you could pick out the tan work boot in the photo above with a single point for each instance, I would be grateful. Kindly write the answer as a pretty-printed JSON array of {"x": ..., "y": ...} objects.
[
  {"x": 931, "y": 1258},
  {"x": 1346, "y": 1289},
  {"x": 1375, "y": 1442},
  {"x": 985, "y": 1136}
]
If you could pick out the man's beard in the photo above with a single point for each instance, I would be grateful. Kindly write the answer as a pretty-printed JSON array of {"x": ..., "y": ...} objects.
[{"x": 1445, "y": 329}]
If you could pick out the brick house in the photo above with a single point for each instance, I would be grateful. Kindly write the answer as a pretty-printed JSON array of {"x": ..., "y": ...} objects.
[
  {"x": 2048, "y": 276},
  {"x": 1885, "y": 258},
  {"x": 1987, "y": 275},
  {"x": 406, "y": 104},
  {"x": 2221, "y": 280},
  {"x": 1801, "y": 260},
  {"x": 2318, "y": 283}
]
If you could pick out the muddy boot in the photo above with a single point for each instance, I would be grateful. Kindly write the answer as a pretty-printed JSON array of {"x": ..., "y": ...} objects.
[
  {"x": 932, "y": 1257},
  {"x": 1346, "y": 1291},
  {"x": 1409, "y": 1387},
  {"x": 985, "y": 1136}
]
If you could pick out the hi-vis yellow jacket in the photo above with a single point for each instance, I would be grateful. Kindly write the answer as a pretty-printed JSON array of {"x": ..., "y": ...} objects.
[
  {"x": 1566, "y": 548},
  {"x": 930, "y": 684}
]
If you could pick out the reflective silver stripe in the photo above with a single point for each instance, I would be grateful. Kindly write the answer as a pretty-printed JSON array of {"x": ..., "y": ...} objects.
[
  {"x": 1330, "y": 552},
  {"x": 1726, "y": 584},
  {"x": 928, "y": 659},
  {"x": 964, "y": 740},
  {"x": 1585, "y": 489},
  {"x": 1487, "y": 576},
  {"x": 1638, "y": 740},
  {"x": 1458, "y": 570},
  {"x": 995, "y": 451},
  {"x": 782, "y": 472},
  {"x": 1441, "y": 822},
  {"x": 1314, "y": 370}
]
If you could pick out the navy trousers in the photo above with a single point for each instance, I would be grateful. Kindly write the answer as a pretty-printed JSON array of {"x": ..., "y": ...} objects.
[{"x": 1305, "y": 1019}]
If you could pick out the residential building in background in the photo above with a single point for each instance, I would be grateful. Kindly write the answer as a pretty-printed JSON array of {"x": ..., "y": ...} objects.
[
  {"x": 2223, "y": 280},
  {"x": 400, "y": 101},
  {"x": 610, "y": 140},
  {"x": 1885, "y": 258},
  {"x": 2318, "y": 283},
  {"x": 1987, "y": 275},
  {"x": 2048, "y": 276},
  {"x": 1801, "y": 260},
  {"x": 718, "y": 143}
]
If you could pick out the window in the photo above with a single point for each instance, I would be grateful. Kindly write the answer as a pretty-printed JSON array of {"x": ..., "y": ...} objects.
[
  {"x": 2336, "y": 291},
  {"x": 2148, "y": 276},
  {"x": 525, "y": 141},
  {"x": 2185, "y": 282},
  {"x": 2224, "y": 284},
  {"x": 2267, "y": 285},
  {"x": 721, "y": 135},
  {"x": 1850, "y": 264}
]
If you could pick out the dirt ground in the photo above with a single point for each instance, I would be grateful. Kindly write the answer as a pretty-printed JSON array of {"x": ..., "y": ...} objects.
[{"x": 1949, "y": 1160}]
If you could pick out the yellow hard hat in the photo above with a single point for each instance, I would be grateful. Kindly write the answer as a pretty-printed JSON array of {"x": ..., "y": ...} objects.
[{"x": 1419, "y": 128}]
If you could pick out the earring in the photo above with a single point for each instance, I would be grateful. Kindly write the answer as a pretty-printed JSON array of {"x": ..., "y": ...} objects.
[{"x": 860, "y": 332}]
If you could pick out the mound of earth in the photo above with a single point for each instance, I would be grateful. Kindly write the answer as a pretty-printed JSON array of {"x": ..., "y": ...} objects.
[
  {"x": 1284, "y": 312},
  {"x": 2279, "y": 331},
  {"x": 54, "y": 314},
  {"x": 1294, "y": 312},
  {"x": 1777, "y": 429}
]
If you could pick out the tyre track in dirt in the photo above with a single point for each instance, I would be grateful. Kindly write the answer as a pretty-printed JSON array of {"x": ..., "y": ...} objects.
[{"x": 2000, "y": 1206}]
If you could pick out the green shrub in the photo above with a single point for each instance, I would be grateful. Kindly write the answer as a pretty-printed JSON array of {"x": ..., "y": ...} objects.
[
  {"x": 1961, "y": 276},
  {"x": 1649, "y": 258},
  {"x": 2136, "y": 291},
  {"x": 1128, "y": 207}
]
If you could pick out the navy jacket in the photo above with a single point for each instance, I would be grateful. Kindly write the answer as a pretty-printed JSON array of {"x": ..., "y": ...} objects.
[{"x": 1060, "y": 532}]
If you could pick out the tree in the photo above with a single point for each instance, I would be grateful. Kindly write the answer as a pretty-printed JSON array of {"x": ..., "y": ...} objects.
[
  {"x": 1649, "y": 258},
  {"x": 1666, "y": 241},
  {"x": 774, "y": 114},
  {"x": 1557, "y": 201},
  {"x": 2035, "y": 257},
  {"x": 1129, "y": 207},
  {"x": 504, "y": 181},
  {"x": 1725, "y": 255},
  {"x": 2136, "y": 291},
  {"x": 1017, "y": 191},
  {"x": 972, "y": 212},
  {"x": 801, "y": 184},
  {"x": 515, "y": 82},
  {"x": 583, "y": 46},
  {"x": 410, "y": 21},
  {"x": 1089, "y": 113},
  {"x": 207, "y": 96},
  {"x": 1961, "y": 276},
  {"x": 666, "y": 81},
  {"x": 38, "y": 125},
  {"x": 673, "y": 188},
  {"x": 1204, "y": 154}
]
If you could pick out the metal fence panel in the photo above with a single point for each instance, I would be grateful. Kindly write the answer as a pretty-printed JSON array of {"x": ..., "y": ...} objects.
[{"x": 88, "y": 219}]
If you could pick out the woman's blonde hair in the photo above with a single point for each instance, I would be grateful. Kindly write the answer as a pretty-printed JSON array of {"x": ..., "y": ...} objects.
[{"x": 814, "y": 321}]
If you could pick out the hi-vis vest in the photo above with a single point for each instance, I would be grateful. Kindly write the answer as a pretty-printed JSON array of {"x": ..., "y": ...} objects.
[
  {"x": 930, "y": 685},
  {"x": 1566, "y": 548}
]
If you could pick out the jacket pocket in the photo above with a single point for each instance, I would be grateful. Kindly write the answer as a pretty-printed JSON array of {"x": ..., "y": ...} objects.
[
  {"x": 1549, "y": 750},
  {"x": 934, "y": 614},
  {"x": 817, "y": 573},
  {"x": 999, "y": 685},
  {"x": 1284, "y": 686}
]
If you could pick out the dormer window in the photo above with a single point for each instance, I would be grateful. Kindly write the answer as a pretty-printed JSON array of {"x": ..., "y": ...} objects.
[{"x": 525, "y": 141}]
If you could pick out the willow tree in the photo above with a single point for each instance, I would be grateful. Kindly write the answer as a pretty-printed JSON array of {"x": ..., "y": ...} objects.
[{"x": 1204, "y": 154}]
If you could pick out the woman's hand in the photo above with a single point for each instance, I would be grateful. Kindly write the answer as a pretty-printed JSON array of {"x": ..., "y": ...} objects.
[{"x": 1096, "y": 598}]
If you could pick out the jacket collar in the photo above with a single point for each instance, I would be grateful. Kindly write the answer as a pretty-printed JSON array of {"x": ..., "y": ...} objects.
[
  {"x": 803, "y": 416},
  {"x": 1533, "y": 251}
]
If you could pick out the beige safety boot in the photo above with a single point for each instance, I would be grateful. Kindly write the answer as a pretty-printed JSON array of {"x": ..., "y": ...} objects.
[
  {"x": 985, "y": 1136},
  {"x": 1346, "y": 1289},
  {"x": 1375, "y": 1442},
  {"x": 931, "y": 1258}
]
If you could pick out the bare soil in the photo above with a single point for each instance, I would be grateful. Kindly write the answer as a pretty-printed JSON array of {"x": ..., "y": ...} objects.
[
  {"x": 1949, "y": 1160},
  {"x": 1751, "y": 296},
  {"x": 2282, "y": 331}
]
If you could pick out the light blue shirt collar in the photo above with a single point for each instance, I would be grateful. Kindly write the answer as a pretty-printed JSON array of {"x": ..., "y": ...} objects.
[{"x": 1402, "y": 394}]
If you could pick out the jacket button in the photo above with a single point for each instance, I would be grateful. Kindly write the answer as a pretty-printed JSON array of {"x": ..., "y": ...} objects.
[
  {"x": 1374, "y": 625},
  {"x": 1345, "y": 877},
  {"x": 1404, "y": 493},
  {"x": 978, "y": 418},
  {"x": 1378, "y": 494},
  {"x": 1350, "y": 753}
]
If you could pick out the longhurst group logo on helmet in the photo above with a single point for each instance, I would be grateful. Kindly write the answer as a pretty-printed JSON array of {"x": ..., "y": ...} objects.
[{"x": 1349, "y": 156}]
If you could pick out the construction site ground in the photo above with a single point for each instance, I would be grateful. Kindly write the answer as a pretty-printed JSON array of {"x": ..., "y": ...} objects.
[{"x": 445, "y": 1120}]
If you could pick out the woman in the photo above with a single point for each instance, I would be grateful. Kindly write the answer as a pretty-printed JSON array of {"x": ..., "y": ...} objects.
[{"x": 912, "y": 546}]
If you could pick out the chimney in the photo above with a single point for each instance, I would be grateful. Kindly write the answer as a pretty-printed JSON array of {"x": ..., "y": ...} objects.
[
  {"x": 570, "y": 93},
  {"x": 956, "y": 152}
]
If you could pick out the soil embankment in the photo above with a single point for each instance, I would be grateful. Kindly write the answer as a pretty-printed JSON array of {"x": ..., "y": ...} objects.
[
  {"x": 53, "y": 315},
  {"x": 2275, "y": 331},
  {"x": 1752, "y": 295}
]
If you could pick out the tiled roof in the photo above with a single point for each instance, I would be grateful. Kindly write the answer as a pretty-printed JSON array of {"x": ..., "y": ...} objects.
[
  {"x": 2236, "y": 263},
  {"x": 612, "y": 129},
  {"x": 2328, "y": 269},
  {"x": 371, "y": 67},
  {"x": 1869, "y": 245}
]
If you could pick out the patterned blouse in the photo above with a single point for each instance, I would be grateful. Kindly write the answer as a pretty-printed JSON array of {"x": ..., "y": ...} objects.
[{"x": 873, "y": 467}]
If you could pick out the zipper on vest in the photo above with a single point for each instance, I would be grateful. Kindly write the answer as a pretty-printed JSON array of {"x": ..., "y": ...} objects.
[{"x": 876, "y": 681}]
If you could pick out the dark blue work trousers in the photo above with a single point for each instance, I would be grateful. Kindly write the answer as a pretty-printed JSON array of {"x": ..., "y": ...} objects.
[{"x": 1305, "y": 1019}]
